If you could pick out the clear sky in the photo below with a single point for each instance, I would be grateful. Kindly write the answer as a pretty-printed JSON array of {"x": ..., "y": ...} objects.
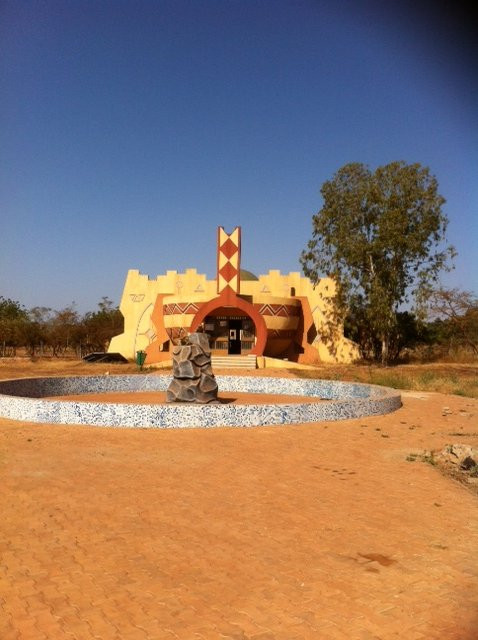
[{"x": 130, "y": 130}]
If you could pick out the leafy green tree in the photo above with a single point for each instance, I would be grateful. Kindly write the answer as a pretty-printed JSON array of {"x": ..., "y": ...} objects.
[
  {"x": 409, "y": 331},
  {"x": 100, "y": 326},
  {"x": 38, "y": 334},
  {"x": 13, "y": 323},
  {"x": 64, "y": 330},
  {"x": 381, "y": 236}
]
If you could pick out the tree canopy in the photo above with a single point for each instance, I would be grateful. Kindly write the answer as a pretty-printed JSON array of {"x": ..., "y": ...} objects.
[
  {"x": 381, "y": 236},
  {"x": 43, "y": 330},
  {"x": 13, "y": 318},
  {"x": 457, "y": 313}
]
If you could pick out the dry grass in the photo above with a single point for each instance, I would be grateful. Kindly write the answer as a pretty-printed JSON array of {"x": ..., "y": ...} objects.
[
  {"x": 456, "y": 379},
  {"x": 27, "y": 367}
]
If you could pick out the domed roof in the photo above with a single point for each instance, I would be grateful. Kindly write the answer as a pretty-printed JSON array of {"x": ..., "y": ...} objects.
[{"x": 247, "y": 275}]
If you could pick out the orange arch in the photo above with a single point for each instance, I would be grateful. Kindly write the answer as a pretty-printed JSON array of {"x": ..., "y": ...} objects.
[{"x": 232, "y": 300}]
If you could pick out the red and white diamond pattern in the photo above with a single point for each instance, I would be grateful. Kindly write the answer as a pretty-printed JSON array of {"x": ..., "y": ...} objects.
[{"x": 228, "y": 260}]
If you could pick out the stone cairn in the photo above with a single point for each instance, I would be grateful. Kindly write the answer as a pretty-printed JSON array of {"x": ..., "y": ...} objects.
[{"x": 193, "y": 379}]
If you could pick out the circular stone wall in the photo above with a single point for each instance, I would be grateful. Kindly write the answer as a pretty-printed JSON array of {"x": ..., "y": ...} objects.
[{"x": 21, "y": 399}]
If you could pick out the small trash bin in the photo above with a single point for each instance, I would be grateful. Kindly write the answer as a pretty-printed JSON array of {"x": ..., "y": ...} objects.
[{"x": 140, "y": 358}]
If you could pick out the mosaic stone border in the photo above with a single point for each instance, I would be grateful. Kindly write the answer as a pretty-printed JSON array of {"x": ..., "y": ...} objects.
[{"x": 21, "y": 399}]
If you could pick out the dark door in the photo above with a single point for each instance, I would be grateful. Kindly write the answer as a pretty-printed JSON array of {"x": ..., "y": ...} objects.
[{"x": 234, "y": 344}]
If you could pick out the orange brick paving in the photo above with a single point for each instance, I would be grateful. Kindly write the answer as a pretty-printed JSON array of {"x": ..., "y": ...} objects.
[{"x": 304, "y": 532}]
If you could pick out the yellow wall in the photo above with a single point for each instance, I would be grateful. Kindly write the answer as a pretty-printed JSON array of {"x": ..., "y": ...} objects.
[
  {"x": 140, "y": 294},
  {"x": 275, "y": 283}
]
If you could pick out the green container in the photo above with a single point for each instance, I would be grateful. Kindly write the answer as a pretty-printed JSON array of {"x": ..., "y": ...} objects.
[{"x": 140, "y": 358}]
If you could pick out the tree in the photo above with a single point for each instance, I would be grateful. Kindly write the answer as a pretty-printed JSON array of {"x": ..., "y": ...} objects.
[
  {"x": 13, "y": 322},
  {"x": 457, "y": 313},
  {"x": 408, "y": 333},
  {"x": 381, "y": 237},
  {"x": 38, "y": 333},
  {"x": 64, "y": 330},
  {"x": 100, "y": 326}
]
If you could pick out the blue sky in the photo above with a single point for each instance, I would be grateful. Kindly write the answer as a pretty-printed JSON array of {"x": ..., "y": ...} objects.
[{"x": 130, "y": 130}]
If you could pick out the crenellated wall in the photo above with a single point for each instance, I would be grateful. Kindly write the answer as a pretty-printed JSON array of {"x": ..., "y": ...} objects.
[
  {"x": 184, "y": 293},
  {"x": 292, "y": 319},
  {"x": 139, "y": 297}
]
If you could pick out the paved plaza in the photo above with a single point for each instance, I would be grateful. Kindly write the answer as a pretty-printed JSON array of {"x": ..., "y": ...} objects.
[{"x": 301, "y": 532}]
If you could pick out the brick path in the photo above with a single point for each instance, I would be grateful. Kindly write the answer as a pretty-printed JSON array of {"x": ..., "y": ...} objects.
[{"x": 280, "y": 533}]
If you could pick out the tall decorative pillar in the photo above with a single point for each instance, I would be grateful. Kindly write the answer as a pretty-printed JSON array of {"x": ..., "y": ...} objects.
[{"x": 228, "y": 262}]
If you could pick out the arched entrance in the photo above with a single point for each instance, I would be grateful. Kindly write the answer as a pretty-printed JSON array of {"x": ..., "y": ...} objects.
[
  {"x": 230, "y": 332},
  {"x": 233, "y": 324}
]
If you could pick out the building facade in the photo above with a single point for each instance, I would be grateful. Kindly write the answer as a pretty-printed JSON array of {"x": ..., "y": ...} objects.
[{"x": 276, "y": 315}]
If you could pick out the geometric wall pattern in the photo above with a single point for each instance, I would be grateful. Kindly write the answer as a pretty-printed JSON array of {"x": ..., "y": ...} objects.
[
  {"x": 177, "y": 308},
  {"x": 228, "y": 260},
  {"x": 278, "y": 310}
]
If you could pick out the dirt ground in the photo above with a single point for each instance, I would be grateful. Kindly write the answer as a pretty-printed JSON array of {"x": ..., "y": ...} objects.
[{"x": 324, "y": 531}]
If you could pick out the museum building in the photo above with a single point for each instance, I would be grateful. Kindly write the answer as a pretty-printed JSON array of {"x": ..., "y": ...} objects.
[{"x": 281, "y": 316}]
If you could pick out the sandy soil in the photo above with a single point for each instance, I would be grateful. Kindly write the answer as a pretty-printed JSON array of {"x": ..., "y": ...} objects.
[{"x": 301, "y": 532}]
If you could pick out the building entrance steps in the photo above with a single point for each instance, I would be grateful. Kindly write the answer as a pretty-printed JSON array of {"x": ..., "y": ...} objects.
[{"x": 234, "y": 362}]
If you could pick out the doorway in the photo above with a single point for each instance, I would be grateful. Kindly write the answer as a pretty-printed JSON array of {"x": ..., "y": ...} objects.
[
  {"x": 230, "y": 334},
  {"x": 234, "y": 341}
]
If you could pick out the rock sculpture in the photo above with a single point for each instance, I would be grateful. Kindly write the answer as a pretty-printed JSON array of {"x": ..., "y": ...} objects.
[{"x": 193, "y": 379}]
